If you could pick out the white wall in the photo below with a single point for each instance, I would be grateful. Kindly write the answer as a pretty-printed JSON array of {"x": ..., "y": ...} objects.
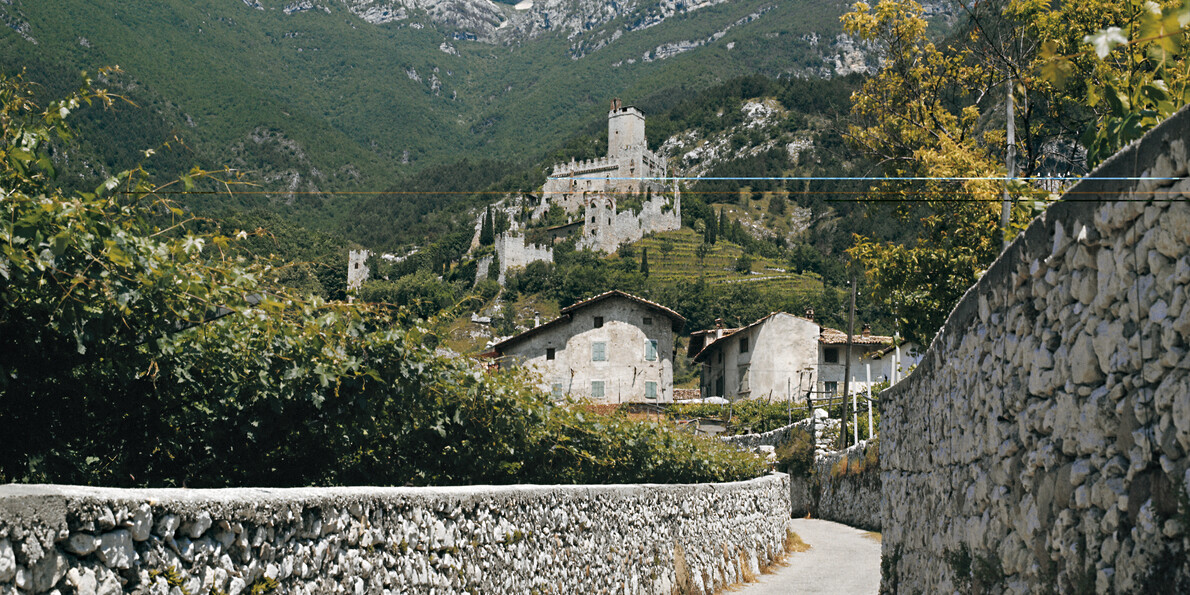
[{"x": 625, "y": 371}]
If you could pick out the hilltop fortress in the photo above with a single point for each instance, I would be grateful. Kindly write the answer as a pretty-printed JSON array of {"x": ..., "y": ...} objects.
[
  {"x": 630, "y": 176},
  {"x": 611, "y": 200}
]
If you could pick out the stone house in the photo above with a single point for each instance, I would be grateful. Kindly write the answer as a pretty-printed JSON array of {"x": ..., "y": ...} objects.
[
  {"x": 771, "y": 358},
  {"x": 782, "y": 356},
  {"x": 866, "y": 348},
  {"x": 612, "y": 348}
]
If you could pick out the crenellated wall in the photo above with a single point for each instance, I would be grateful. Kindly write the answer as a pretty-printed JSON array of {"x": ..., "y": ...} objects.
[
  {"x": 479, "y": 539},
  {"x": 1043, "y": 443}
]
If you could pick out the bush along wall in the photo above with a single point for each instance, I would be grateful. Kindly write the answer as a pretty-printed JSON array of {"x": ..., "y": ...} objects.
[
  {"x": 1042, "y": 444},
  {"x": 688, "y": 539},
  {"x": 841, "y": 486}
]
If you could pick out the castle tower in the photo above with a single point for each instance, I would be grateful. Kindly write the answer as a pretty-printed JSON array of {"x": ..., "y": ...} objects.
[
  {"x": 625, "y": 132},
  {"x": 357, "y": 268}
]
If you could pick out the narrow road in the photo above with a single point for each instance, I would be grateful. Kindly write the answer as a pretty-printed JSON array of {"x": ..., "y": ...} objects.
[{"x": 841, "y": 560}]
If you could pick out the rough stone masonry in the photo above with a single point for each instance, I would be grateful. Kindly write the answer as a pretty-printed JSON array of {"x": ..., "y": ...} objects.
[
  {"x": 476, "y": 539},
  {"x": 1042, "y": 444}
]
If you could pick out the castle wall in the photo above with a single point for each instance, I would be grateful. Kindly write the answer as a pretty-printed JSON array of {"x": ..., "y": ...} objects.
[
  {"x": 514, "y": 252},
  {"x": 605, "y": 230}
]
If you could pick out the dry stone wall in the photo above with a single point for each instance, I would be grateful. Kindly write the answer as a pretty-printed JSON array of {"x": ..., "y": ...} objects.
[
  {"x": 477, "y": 539},
  {"x": 825, "y": 429},
  {"x": 843, "y": 486},
  {"x": 1041, "y": 445}
]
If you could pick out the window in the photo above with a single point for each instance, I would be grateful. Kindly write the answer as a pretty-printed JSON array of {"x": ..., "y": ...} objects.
[
  {"x": 598, "y": 322},
  {"x": 831, "y": 355},
  {"x": 648, "y": 321},
  {"x": 549, "y": 353},
  {"x": 557, "y": 390},
  {"x": 651, "y": 390},
  {"x": 745, "y": 380},
  {"x": 719, "y": 387},
  {"x": 744, "y": 345},
  {"x": 599, "y": 351},
  {"x": 830, "y": 387},
  {"x": 651, "y": 350},
  {"x": 719, "y": 357},
  {"x": 596, "y": 389}
]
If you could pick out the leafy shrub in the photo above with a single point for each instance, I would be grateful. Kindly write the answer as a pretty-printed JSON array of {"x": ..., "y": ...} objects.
[
  {"x": 133, "y": 354},
  {"x": 795, "y": 455},
  {"x": 746, "y": 416}
]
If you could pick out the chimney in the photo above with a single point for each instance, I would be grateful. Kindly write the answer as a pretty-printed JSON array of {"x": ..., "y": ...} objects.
[
  {"x": 810, "y": 313},
  {"x": 616, "y": 104},
  {"x": 867, "y": 332},
  {"x": 536, "y": 319}
]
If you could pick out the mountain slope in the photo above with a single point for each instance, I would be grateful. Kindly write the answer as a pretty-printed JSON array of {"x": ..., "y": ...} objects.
[{"x": 354, "y": 94}]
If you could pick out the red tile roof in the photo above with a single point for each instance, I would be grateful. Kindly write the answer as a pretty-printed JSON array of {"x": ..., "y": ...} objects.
[{"x": 830, "y": 336}]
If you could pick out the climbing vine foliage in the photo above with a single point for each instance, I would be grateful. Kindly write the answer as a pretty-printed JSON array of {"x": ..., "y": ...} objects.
[{"x": 135, "y": 350}]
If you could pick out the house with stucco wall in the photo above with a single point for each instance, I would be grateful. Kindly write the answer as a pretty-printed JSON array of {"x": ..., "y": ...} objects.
[
  {"x": 770, "y": 359},
  {"x": 783, "y": 356},
  {"x": 612, "y": 348}
]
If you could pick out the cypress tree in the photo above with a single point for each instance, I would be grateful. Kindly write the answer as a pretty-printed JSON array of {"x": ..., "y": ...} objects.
[
  {"x": 712, "y": 232},
  {"x": 487, "y": 234},
  {"x": 644, "y": 262}
]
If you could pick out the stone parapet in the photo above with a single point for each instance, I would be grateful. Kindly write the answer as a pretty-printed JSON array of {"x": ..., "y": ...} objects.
[{"x": 477, "y": 539}]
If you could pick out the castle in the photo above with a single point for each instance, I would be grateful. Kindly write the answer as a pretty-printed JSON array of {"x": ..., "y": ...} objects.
[
  {"x": 614, "y": 200},
  {"x": 630, "y": 172}
]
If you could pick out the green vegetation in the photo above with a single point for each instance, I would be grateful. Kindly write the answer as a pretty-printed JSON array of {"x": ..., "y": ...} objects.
[
  {"x": 795, "y": 455},
  {"x": 1088, "y": 75},
  {"x": 137, "y": 349},
  {"x": 345, "y": 104},
  {"x": 755, "y": 416}
]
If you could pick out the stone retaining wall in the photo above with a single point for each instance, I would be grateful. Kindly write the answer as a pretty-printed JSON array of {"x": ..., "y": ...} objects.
[
  {"x": 478, "y": 539},
  {"x": 826, "y": 431},
  {"x": 844, "y": 487},
  {"x": 1041, "y": 444}
]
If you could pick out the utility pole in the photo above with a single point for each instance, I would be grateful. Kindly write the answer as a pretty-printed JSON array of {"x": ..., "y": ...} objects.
[
  {"x": 847, "y": 366},
  {"x": 1006, "y": 208}
]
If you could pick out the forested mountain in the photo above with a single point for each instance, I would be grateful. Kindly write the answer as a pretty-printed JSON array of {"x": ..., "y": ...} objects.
[
  {"x": 336, "y": 96},
  {"x": 389, "y": 125}
]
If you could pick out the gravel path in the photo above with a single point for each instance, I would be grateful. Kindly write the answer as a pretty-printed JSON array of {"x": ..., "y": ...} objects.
[{"x": 840, "y": 560}]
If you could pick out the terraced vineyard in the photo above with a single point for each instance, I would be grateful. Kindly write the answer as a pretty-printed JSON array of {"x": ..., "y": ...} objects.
[{"x": 718, "y": 267}]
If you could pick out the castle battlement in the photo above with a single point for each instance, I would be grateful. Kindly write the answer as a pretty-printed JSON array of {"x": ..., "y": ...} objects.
[
  {"x": 629, "y": 168},
  {"x": 588, "y": 166}
]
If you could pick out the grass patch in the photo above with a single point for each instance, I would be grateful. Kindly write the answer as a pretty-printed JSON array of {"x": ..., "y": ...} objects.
[{"x": 794, "y": 543}]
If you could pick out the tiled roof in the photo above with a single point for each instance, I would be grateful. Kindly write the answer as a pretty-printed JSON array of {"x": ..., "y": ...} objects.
[
  {"x": 567, "y": 313},
  {"x": 830, "y": 336},
  {"x": 674, "y": 316}
]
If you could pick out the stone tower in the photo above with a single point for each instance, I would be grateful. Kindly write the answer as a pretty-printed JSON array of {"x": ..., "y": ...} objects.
[
  {"x": 625, "y": 132},
  {"x": 357, "y": 268}
]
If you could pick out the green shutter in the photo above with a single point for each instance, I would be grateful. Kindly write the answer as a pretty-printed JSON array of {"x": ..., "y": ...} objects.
[
  {"x": 596, "y": 389},
  {"x": 651, "y": 350},
  {"x": 651, "y": 390},
  {"x": 599, "y": 351}
]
